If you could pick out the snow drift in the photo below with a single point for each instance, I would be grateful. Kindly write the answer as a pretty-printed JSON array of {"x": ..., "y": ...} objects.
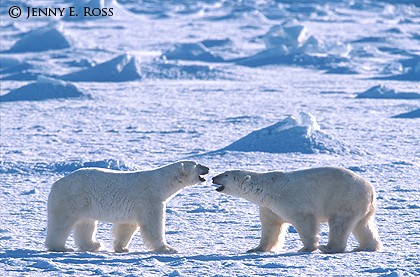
[
  {"x": 50, "y": 37},
  {"x": 44, "y": 88},
  {"x": 384, "y": 92},
  {"x": 120, "y": 69},
  {"x": 301, "y": 134}
]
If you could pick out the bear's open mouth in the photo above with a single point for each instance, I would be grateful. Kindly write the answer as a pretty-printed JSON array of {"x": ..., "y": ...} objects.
[
  {"x": 201, "y": 178},
  {"x": 220, "y": 189}
]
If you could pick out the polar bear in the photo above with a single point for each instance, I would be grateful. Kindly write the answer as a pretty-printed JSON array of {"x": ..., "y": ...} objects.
[
  {"x": 306, "y": 198},
  {"x": 131, "y": 200}
]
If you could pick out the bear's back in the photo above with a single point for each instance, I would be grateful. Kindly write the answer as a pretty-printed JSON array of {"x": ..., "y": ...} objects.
[{"x": 94, "y": 180}]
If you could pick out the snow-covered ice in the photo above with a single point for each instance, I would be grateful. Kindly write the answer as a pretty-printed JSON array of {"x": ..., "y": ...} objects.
[{"x": 261, "y": 85}]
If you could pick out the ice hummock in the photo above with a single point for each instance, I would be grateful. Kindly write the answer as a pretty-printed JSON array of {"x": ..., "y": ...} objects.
[
  {"x": 44, "y": 88},
  {"x": 15, "y": 69},
  {"x": 63, "y": 167},
  {"x": 191, "y": 51},
  {"x": 290, "y": 35},
  {"x": 293, "y": 134},
  {"x": 163, "y": 69},
  {"x": 410, "y": 69},
  {"x": 385, "y": 92},
  {"x": 412, "y": 114},
  {"x": 291, "y": 43},
  {"x": 50, "y": 37},
  {"x": 122, "y": 68}
]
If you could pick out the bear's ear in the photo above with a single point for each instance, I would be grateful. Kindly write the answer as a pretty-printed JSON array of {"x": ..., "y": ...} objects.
[
  {"x": 247, "y": 179},
  {"x": 185, "y": 168},
  {"x": 244, "y": 185}
]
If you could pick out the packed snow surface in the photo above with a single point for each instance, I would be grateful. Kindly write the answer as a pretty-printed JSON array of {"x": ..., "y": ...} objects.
[{"x": 257, "y": 85}]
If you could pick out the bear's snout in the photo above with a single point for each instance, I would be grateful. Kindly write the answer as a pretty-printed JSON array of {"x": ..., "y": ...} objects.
[
  {"x": 205, "y": 169},
  {"x": 215, "y": 178},
  {"x": 221, "y": 187}
]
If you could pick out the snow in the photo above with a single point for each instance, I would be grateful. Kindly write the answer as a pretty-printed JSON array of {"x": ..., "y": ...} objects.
[{"x": 260, "y": 85}]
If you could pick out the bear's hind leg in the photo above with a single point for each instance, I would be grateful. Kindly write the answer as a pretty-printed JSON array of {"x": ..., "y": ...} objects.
[
  {"x": 58, "y": 230},
  {"x": 84, "y": 235},
  {"x": 123, "y": 234},
  {"x": 339, "y": 231},
  {"x": 273, "y": 232},
  {"x": 308, "y": 229},
  {"x": 366, "y": 234}
]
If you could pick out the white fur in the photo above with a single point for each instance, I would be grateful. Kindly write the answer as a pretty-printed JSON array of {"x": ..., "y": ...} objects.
[
  {"x": 305, "y": 199},
  {"x": 131, "y": 200}
]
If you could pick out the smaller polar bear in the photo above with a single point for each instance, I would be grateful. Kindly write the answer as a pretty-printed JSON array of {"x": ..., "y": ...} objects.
[
  {"x": 306, "y": 198},
  {"x": 131, "y": 200}
]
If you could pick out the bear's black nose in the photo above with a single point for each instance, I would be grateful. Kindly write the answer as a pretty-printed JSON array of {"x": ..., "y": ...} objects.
[{"x": 205, "y": 169}]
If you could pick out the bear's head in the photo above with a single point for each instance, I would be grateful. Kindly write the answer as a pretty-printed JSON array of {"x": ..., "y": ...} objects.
[
  {"x": 235, "y": 182},
  {"x": 191, "y": 172}
]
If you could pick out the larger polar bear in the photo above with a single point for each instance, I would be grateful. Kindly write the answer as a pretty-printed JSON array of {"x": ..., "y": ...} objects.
[
  {"x": 131, "y": 200},
  {"x": 305, "y": 198}
]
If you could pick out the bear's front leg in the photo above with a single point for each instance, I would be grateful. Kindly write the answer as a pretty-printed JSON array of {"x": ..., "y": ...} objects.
[
  {"x": 152, "y": 228},
  {"x": 307, "y": 227},
  {"x": 123, "y": 234},
  {"x": 273, "y": 232}
]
